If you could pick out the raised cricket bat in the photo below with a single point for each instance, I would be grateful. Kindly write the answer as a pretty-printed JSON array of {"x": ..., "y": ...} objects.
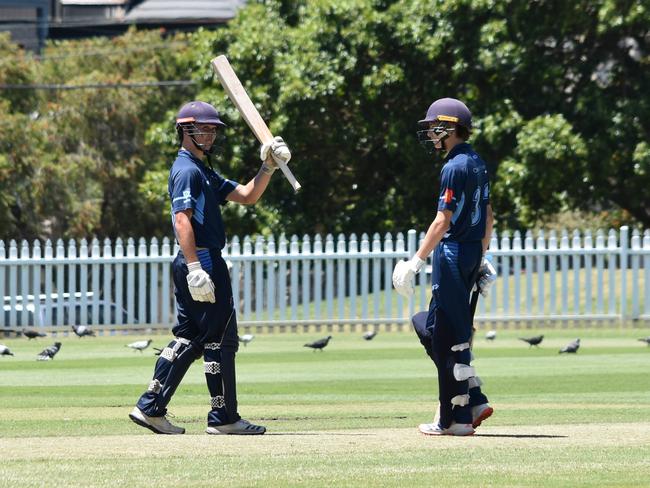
[{"x": 240, "y": 98}]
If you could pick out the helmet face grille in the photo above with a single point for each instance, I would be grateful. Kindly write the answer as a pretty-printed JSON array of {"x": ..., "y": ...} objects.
[{"x": 430, "y": 135}]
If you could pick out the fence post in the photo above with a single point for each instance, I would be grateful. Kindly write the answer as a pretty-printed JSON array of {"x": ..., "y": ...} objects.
[
  {"x": 270, "y": 278},
  {"x": 411, "y": 239},
  {"x": 306, "y": 270},
  {"x": 282, "y": 277},
  {"x": 83, "y": 284},
  {"x": 624, "y": 251},
  {"x": 294, "y": 252},
  {"x": 421, "y": 278},
  {"x": 36, "y": 283},
  {"x": 48, "y": 254},
  {"x": 505, "y": 270},
  {"x": 3, "y": 256},
  {"x": 72, "y": 281},
  {"x": 329, "y": 275},
  {"x": 166, "y": 286},
  {"x": 353, "y": 251},
  {"x": 588, "y": 254},
  {"x": 142, "y": 281},
  {"x": 235, "y": 275},
  {"x": 600, "y": 271},
  {"x": 388, "y": 271},
  {"x": 340, "y": 274},
  {"x": 24, "y": 281},
  {"x": 365, "y": 275},
  {"x": 541, "y": 271},
  {"x": 646, "y": 270},
  {"x": 635, "y": 258},
  {"x": 376, "y": 274},
  {"x": 259, "y": 278},
  {"x": 94, "y": 272},
  {"x": 154, "y": 285},
  {"x": 577, "y": 253},
  {"x": 317, "y": 293},
  {"x": 248, "y": 251}
]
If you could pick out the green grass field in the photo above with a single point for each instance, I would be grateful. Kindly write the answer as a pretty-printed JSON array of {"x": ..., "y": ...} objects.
[{"x": 343, "y": 417}]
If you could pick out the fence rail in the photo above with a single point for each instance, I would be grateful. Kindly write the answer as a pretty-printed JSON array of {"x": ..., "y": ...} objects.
[{"x": 287, "y": 283}]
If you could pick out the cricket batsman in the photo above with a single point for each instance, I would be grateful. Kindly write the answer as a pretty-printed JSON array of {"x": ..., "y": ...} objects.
[
  {"x": 206, "y": 322},
  {"x": 459, "y": 237}
]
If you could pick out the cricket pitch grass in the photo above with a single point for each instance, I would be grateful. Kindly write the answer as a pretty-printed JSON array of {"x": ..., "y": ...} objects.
[{"x": 345, "y": 417}]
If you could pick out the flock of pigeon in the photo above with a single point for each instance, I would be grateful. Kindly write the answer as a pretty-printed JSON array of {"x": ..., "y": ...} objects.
[
  {"x": 82, "y": 330},
  {"x": 571, "y": 347}
]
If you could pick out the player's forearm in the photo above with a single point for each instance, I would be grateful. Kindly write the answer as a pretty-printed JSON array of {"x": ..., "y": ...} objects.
[
  {"x": 185, "y": 237},
  {"x": 251, "y": 192},
  {"x": 489, "y": 225},
  {"x": 434, "y": 235}
]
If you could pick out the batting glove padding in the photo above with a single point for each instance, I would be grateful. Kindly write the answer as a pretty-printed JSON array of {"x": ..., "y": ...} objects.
[
  {"x": 278, "y": 150},
  {"x": 487, "y": 275},
  {"x": 404, "y": 275},
  {"x": 200, "y": 284}
]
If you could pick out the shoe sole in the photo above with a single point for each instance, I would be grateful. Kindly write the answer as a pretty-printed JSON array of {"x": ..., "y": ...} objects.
[
  {"x": 142, "y": 423},
  {"x": 485, "y": 414},
  {"x": 449, "y": 435},
  {"x": 234, "y": 433},
  {"x": 432, "y": 434}
]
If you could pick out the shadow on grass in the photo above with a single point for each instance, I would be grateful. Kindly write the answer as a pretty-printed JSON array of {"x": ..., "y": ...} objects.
[
  {"x": 348, "y": 434},
  {"x": 524, "y": 436},
  {"x": 332, "y": 418}
]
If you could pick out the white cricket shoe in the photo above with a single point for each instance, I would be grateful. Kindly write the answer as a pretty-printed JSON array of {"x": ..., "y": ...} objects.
[
  {"x": 241, "y": 427},
  {"x": 480, "y": 413},
  {"x": 453, "y": 429},
  {"x": 158, "y": 425}
]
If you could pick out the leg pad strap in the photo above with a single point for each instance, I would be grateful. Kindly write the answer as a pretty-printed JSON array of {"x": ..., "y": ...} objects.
[
  {"x": 460, "y": 400},
  {"x": 212, "y": 367},
  {"x": 463, "y": 372}
]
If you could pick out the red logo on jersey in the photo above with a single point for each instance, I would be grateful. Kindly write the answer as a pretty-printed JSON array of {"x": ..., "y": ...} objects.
[{"x": 448, "y": 195}]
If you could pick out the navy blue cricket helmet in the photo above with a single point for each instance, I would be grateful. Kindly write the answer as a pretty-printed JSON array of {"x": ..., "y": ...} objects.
[{"x": 449, "y": 110}]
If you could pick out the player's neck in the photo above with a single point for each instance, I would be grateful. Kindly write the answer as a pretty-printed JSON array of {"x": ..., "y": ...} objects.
[
  {"x": 451, "y": 143},
  {"x": 194, "y": 150}
]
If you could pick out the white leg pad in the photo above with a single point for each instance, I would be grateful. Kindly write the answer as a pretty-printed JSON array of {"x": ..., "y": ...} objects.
[
  {"x": 154, "y": 387},
  {"x": 460, "y": 347},
  {"x": 474, "y": 381},
  {"x": 460, "y": 400},
  {"x": 212, "y": 367},
  {"x": 463, "y": 372},
  {"x": 170, "y": 353}
]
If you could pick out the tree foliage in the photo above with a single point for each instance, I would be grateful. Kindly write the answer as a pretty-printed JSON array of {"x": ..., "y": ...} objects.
[{"x": 557, "y": 89}]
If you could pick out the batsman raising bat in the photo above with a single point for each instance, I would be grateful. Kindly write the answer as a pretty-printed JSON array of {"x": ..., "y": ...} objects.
[{"x": 206, "y": 319}]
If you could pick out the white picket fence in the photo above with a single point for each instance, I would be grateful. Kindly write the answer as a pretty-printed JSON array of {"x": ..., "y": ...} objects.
[{"x": 286, "y": 284}]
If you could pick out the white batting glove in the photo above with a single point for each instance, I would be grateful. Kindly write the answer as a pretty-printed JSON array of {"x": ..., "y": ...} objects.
[
  {"x": 404, "y": 275},
  {"x": 200, "y": 284},
  {"x": 487, "y": 275},
  {"x": 278, "y": 150}
]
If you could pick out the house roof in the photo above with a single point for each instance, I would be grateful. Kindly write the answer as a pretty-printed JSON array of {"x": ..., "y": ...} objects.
[
  {"x": 152, "y": 11},
  {"x": 94, "y": 2}
]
